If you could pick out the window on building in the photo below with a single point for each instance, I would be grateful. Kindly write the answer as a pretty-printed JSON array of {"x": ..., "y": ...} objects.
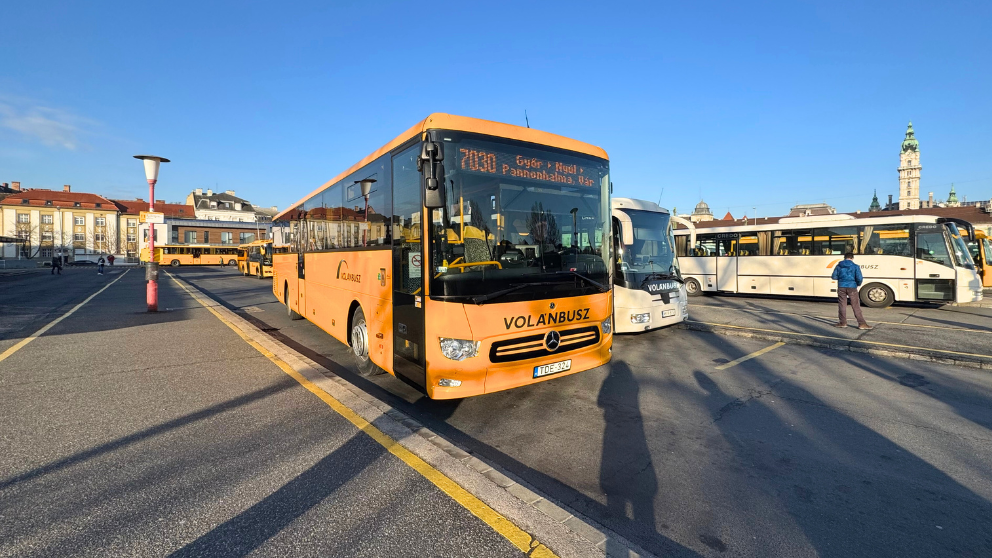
[
  {"x": 25, "y": 201},
  {"x": 246, "y": 237},
  {"x": 76, "y": 204},
  {"x": 98, "y": 237},
  {"x": 46, "y": 220},
  {"x": 99, "y": 205},
  {"x": 80, "y": 221},
  {"x": 79, "y": 237},
  {"x": 132, "y": 222},
  {"x": 226, "y": 238},
  {"x": 145, "y": 236},
  {"x": 48, "y": 202},
  {"x": 46, "y": 236},
  {"x": 46, "y": 253},
  {"x": 175, "y": 236},
  {"x": 190, "y": 237},
  {"x": 206, "y": 237},
  {"x": 23, "y": 218},
  {"x": 101, "y": 221}
]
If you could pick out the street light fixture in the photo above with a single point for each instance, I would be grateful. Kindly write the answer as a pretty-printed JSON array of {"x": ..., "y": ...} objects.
[
  {"x": 151, "y": 271},
  {"x": 366, "y": 184}
]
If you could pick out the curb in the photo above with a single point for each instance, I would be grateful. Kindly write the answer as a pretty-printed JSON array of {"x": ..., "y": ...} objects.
[
  {"x": 563, "y": 530},
  {"x": 853, "y": 345}
]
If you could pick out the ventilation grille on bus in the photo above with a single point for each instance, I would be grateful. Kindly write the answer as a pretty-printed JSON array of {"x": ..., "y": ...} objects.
[{"x": 532, "y": 346}]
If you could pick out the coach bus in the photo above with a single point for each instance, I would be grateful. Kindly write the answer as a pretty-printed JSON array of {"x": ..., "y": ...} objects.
[
  {"x": 902, "y": 258},
  {"x": 648, "y": 291},
  {"x": 981, "y": 252},
  {"x": 176, "y": 255},
  {"x": 464, "y": 257},
  {"x": 257, "y": 258}
]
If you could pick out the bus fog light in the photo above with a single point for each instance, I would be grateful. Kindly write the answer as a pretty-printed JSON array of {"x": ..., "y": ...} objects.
[
  {"x": 640, "y": 318},
  {"x": 607, "y": 326},
  {"x": 458, "y": 349},
  {"x": 445, "y": 382}
]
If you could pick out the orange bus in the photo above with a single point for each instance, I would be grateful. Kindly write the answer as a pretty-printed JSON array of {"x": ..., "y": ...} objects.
[
  {"x": 257, "y": 258},
  {"x": 981, "y": 252},
  {"x": 464, "y": 256},
  {"x": 192, "y": 254}
]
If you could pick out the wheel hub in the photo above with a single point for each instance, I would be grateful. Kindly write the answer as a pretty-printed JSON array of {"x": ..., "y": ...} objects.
[
  {"x": 876, "y": 295},
  {"x": 360, "y": 341}
]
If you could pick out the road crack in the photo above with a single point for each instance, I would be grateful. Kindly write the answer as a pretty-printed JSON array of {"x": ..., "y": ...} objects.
[{"x": 752, "y": 395}]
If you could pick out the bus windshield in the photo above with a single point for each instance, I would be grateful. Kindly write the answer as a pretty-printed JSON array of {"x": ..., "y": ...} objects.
[
  {"x": 652, "y": 255},
  {"x": 520, "y": 222},
  {"x": 962, "y": 256}
]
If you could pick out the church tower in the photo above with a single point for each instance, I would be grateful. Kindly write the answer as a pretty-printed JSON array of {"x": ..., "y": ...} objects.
[{"x": 909, "y": 171}]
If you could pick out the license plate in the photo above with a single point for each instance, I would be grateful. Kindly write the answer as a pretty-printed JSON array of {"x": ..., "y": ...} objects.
[
  {"x": 553, "y": 368},
  {"x": 667, "y": 313}
]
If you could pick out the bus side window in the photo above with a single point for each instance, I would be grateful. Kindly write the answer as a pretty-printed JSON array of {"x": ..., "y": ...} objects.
[
  {"x": 705, "y": 246},
  {"x": 890, "y": 240}
]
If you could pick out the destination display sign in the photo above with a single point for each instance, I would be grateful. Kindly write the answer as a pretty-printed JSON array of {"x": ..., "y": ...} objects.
[{"x": 563, "y": 171}]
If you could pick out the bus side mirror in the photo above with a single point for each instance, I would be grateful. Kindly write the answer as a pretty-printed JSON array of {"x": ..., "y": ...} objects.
[{"x": 431, "y": 166}]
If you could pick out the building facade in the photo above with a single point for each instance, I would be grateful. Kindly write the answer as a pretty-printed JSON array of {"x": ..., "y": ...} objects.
[
  {"x": 224, "y": 206},
  {"x": 909, "y": 171}
]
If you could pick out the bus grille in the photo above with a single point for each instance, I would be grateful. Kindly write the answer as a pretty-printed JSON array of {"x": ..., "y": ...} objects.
[{"x": 532, "y": 346}]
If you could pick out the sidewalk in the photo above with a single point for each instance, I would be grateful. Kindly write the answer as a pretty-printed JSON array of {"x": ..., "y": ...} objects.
[{"x": 954, "y": 334}]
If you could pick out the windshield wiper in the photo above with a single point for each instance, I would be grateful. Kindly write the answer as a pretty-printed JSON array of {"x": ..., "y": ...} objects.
[
  {"x": 479, "y": 299},
  {"x": 602, "y": 288},
  {"x": 657, "y": 275}
]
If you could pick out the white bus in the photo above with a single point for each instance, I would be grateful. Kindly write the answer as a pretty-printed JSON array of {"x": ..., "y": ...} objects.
[
  {"x": 648, "y": 291},
  {"x": 903, "y": 258}
]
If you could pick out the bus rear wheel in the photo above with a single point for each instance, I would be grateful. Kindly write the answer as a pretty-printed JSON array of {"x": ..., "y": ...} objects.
[
  {"x": 293, "y": 315},
  {"x": 360, "y": 345},
  {"x": 876, "y": 295},
  {"x": 174, "y": 263},
  {"x": 692, "y": 287}
]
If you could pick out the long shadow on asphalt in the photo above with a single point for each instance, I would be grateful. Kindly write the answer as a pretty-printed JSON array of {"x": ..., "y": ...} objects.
[
  {"x": 248, "y": 530},
  {"x": 121, "y": 443}
]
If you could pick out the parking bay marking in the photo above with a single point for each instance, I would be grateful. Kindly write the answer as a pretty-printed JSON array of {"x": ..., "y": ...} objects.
[
  {"x": 519, "y": 538},
  {"x": 757, "y": 353},
  {"x": 20, "y": 344}
]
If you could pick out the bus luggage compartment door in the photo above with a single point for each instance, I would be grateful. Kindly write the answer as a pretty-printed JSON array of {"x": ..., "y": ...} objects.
[{"x": 726, "y": 273}]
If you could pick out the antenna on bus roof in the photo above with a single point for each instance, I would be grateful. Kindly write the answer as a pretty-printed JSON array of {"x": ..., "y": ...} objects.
[
  {"x": 527, "y": 120},
  {"x": 661, "y": 194}
]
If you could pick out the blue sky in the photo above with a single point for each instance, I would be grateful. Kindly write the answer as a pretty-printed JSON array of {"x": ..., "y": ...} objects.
[{"x": 743, "y": 104}]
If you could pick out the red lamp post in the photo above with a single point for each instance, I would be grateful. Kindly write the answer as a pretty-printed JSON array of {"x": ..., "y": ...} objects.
[{"x": 151, "y": 271}]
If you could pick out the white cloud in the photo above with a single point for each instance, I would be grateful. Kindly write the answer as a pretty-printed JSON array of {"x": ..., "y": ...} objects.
[{"x": 50, "y": 126}]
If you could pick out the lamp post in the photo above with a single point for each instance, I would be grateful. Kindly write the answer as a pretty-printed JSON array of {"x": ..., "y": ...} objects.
[
  {"x": 151, "y": 272},
  {"x": 366, "y": 184}
]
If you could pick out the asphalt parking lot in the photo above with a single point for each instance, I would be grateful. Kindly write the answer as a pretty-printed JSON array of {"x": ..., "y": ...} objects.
[{"x": 692, "y": 443}]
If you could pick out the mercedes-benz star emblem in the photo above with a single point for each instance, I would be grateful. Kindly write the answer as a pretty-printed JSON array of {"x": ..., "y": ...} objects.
[
  {"x": 552, "y": 340},
  {"x": 552, "y": 305}
]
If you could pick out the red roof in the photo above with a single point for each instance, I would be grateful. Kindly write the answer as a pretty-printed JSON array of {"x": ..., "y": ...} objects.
[
  {"x": 728, "y": 217},
  {"x": 134, "y": 207},
  {"x": 41, "y": 197}
]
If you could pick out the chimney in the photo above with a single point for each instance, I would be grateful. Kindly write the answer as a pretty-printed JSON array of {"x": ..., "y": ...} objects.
[
  {"x": 229, "y": 192},
  {"x": 160, "y": 202},
  {"x": 66, "y": 188},
  {"x": 210, "y": 192},
  {"x": 890, "y": 199},
  {"x": 16, "y": 186}
]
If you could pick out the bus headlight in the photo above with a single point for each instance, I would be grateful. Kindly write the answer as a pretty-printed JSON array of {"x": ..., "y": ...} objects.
[
  {"x": 459, "y": 349},
  {"x": 640, "y": 318},
  {"x": 607, "y": 326}
]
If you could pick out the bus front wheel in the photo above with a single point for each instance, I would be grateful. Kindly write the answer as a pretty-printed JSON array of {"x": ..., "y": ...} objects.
[
  {"x": 692, "y": 287},
  {"x": 360, "y": 346},
  {"x": 293, "y": 315},
  {"x": 876, "y": 295},
  {"x": 174, "y": 263}
]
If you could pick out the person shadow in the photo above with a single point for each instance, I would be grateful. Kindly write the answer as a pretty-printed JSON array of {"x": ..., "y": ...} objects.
[{"x": 627, "y": 476}]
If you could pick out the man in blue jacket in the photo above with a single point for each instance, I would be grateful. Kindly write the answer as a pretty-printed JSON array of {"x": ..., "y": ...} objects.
[{"x": 849, "y": 278}]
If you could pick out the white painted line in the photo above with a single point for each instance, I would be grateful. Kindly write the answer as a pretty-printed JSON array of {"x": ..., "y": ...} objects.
[
  {"x": 50, "y": 325},
  {"x": 750, "y": 356}
]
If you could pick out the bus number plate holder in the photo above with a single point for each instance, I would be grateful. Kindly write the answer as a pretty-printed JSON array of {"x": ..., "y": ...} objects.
[
  {"x": 667, "y": 313},
  {"x": 553, "y": 368}
]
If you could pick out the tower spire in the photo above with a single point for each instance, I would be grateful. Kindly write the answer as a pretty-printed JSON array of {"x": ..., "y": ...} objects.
[{"x": 875, "y": 206}]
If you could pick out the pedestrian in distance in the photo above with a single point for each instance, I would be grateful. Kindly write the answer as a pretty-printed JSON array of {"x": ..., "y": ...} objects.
[
  {"x": 57, "y": 264},
  {"x": 849, "y": 278},
  {"x": 110, "y": 260},
  {"x": 99, "y": 264}
]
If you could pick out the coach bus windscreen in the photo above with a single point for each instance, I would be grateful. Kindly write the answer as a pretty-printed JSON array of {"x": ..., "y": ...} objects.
[
  {"x": 520, "y": 222},
  {"x": 652, "y": 254}
]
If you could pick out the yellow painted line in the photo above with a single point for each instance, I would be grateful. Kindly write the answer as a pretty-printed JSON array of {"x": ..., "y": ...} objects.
[
  {"x": 517, "y": 536},
  {"x": 20, "y": 344},
  {"x": 879, "y": 343},
  {"x": 744, "y": 358}
]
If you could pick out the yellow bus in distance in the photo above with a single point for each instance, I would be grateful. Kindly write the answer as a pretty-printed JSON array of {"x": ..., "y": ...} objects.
[
  {"x": 176, "y": 255},
  {"x": 464, "y": 256},
  {"x": 981, "y": 252},
  {"x": 258, "y": 258}
]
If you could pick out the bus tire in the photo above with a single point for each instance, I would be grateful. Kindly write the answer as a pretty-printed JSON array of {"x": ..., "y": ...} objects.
[
  {"x": 293, "y": 315},
  {"x": 876, "y": 295},
  {"x": 692, "y": 287},
  {"x": 174, "y": 263},
  {"x": 232, "y": 262},
  {"x": 360, "y": 345}
]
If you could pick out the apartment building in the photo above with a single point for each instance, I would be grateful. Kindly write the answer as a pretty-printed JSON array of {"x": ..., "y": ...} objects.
[{"x": 223, "y": 206}]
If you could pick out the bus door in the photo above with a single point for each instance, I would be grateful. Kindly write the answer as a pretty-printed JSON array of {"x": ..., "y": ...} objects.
[
  {"x": 409, "y": 262},
  {"x": 935, "y": 271},
  {"x": 197, "y": 252},
  {"x": 726, "y": 261}
]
